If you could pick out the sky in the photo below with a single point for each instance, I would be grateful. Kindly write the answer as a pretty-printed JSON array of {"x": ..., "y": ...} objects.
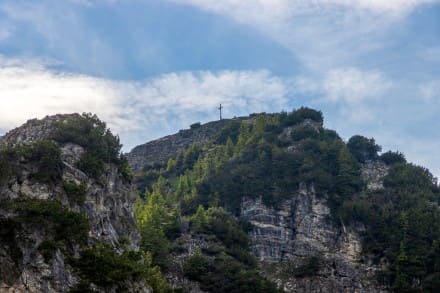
[{"x": 152, "y": 67}]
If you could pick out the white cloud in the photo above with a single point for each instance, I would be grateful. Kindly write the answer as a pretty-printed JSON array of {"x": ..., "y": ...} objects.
[
  {"x": 353, "y": 86},
  {"x": 137, "y": 110}
]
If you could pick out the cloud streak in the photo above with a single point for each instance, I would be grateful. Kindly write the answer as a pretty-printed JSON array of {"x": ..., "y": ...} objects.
[
  {"x": 322, "y": 34},
  {"x": 137, "y": 110}
]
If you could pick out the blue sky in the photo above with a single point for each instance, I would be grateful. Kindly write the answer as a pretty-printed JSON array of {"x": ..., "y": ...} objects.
[{"x": 152, "y": 67}]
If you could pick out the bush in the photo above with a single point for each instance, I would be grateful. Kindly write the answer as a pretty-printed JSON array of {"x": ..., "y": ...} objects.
[
  {"x": 410, "y": 178},
  {"x": 45, "y": 154},
  {"x": 102, "y": 266},
  {"x": 91, "y": 164},
  {"x": 195, "y": 266},
  {"x": 195, "y": 125},
  {"x": 363, "y": 148},
  {"x": 310, "y": 267},
  {"x": 298, "y": 116},
  {"x": 75, "y": 192},
  {"x": 59, "y": 222},
  {"x": 391, "y": 158},
  {"x": 224, "y": 274},
  {"x": 304, "y": 132},
  {"x": 48, "y": 248},
  {"x": 100, "y": 145}
]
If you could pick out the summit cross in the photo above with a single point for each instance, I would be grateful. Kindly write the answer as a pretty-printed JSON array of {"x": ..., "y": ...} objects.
[{"x": 220, "y": 109}]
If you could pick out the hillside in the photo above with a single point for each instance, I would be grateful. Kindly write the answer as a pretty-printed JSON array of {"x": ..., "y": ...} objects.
[
  {"x": 265, "y": 203},
  {"x": 280, "y": 196},
  {"x": 66, "y": 211}
]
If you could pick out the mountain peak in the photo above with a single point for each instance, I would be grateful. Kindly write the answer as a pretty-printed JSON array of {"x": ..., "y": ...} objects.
[{"x": 34, "y": 130}]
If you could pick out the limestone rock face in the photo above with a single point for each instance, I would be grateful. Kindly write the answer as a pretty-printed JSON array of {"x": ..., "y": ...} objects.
[
  {"x": 288, "y": 239},
  {"x": 33, "y": 130},
  {"x": 107, "y": 205},
  {"x": 373, "y": 173}
]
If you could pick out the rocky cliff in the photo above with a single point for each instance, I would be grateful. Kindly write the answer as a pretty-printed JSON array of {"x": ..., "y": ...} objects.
[
  {"x": 302, "y": 250},
  {"x": 37, "y": 253}
]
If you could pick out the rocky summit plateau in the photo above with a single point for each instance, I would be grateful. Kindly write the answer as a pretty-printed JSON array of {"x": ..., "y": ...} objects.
[{"x": 264, "y": 203}]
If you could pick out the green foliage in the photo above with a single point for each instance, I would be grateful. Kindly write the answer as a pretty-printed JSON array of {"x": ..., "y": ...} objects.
[
  {"x": 190, "y": 156},
  {"x": 391, "y": 158},
  {"x": 91, "y": 164},
  {"x": 61, "y": 227},
  {"x": 407, "y": 177},
  {"x": 196, "y": 266},
  {"x": 102, "y": 266},
  {"x": 47, "y": 248},
  {"x": 54, "y": 217},
  {"x": 309, "y": 268},
  {"x": 48, "y": 156},
  {"x": 258, "y": 167},
  {"x": 224, "y": 274},
  {"x": 299, "y": 115},
  {"x": 403, "y": 227},
  {"x": 216, "y": 221},
  {"x": 157, "y": 223},
  {"x": 363, "y": 148},
  {"x": 231, "y": 130},
  {"x": 45, "y": 155},
  {"x": 195, "y": 125},
  {"x": 303, "y": 132},
  {"x": 100, "y": 144},
  {"x": 75, "y": 192}
]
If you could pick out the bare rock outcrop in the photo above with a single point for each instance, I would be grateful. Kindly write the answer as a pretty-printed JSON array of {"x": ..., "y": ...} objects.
[{"x": 303, "y": 250}]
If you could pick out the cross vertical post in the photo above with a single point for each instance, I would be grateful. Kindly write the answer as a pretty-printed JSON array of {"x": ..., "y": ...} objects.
[{"x": 220, "y": 109}]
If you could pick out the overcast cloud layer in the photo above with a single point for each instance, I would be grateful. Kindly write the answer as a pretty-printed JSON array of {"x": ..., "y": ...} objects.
[{"x": 150, "y": 68}]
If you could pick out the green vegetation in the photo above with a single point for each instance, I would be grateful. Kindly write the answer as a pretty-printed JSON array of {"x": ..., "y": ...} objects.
[
  {"x": 403, "y": 227},
  {"x": 75, "y": 192},
  {"x": 102, "y": 266},
  {"x": 245, "y": 159},
  {"x": 391, "y": 158},
  {"x": 310, "y": 267},
  {"x": 198, "y": 193},
  {"x": 363, "y": 148},
  {"x": 44, "y": 155},
  {"x": 61, "y": 227},
  {"x": 195, "y": 125},
  {"x": 100, "y": 145},
  {"x": 223, "y": 273},
  {"x": 204, "y": 186},
  {"x": 298, "y": 116},
  {"x": 225, "y": 264},
  {"x": 52, "y": 216}
]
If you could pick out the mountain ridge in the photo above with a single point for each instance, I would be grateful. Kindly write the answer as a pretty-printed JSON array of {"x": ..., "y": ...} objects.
[{"x": 265, "y": 203}]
